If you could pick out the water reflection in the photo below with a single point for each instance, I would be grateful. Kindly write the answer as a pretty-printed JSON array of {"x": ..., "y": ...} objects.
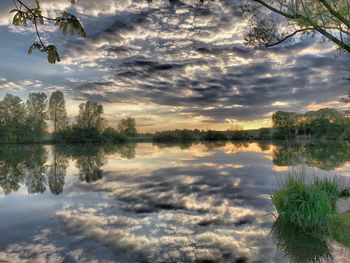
[
  {"x": 150, "y": 203},
  {"x": 56, "y": 173},
  {"x": 324, "y": 155},
  {"x": 22, "y": 165},
  {"x": 299, "y": 246},
  {"x": 31, "y": 167}
]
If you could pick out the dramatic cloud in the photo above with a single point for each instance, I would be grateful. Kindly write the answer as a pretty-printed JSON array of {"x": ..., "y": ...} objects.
[{"x": 188, "y": 60}]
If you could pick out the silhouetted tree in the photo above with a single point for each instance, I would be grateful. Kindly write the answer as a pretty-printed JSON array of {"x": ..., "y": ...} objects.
[
  {"x": 12, "y": 118},
  {"x": 57, "y": 111},
  {"x": 331, "y": 19},
  {"x": 36, "y": 107},
  {"x": 127, "y": 126},
  {"x": 90, "y": 116}
]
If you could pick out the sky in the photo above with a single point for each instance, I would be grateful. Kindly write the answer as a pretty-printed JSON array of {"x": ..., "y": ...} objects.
[{"x": 171, "y": 66}]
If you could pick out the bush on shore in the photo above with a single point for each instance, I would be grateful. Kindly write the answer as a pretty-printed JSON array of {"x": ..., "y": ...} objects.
[
  {"x": 76, "y": 134},
  {"x": 214, "y": 136},
  {"x": 309, "y": 206},
  {"x": 173, "y": 136}
]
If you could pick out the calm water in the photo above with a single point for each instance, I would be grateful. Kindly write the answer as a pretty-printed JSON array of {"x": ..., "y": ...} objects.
[{"x": 157, "y": 203}]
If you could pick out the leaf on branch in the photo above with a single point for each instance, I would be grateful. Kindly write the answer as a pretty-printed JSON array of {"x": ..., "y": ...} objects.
[
  {"x": 68, "y": 22},
  {"x": 51, "y": 50},
  {"x": 52, "y": 54},
  {"x": 20, "y": 17},
  {"x": 35, "y": 45}
]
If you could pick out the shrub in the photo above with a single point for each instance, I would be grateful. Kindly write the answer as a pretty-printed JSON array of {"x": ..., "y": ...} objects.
[
  {"x": 309, "y": 206},
  {"x": 239, "y": 135},
  {"x": 214, "y": 136},
  {"x": 111, "y": 135},
  {"x": 77, "y": 134},
  {"x": 173, "y": 136},
  {"x": 264, "y": 134}
]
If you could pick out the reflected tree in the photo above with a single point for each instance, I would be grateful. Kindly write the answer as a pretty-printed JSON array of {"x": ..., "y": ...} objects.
[
  {"x": 323, "y": 155},
  {"x": 35, "y": 179},
  {"x": 298, "y": 245},
  {"x": 88, "y": 159},
  {"x": 23, "y": 165},
  {"x": 214, "y": 144},
  {"x": 12, "y": 168},
  {"x": 127, "y": 150},
  {"x": 90, "y": 167},
  {"x": 56, "y": 173}
]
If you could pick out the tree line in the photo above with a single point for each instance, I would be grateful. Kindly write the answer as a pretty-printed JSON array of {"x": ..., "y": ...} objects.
[
  {"x": 27, "y": 121},
  {"x": 325, "y": 123}
]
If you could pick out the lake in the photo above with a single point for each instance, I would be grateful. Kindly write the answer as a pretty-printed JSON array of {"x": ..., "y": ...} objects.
[{"x": 144, "y": 202}]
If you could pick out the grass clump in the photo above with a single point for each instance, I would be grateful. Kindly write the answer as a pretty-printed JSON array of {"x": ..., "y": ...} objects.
[
  {"x": 309, "y": 206},
  {"x": 328, "y": 186}
]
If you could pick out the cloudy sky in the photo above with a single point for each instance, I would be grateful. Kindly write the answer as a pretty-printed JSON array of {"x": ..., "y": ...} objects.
[{"x": 171, "y": 65}]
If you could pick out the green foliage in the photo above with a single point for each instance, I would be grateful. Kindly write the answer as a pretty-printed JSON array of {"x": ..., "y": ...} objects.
[
  {"x": 185, "y": 136},
  {"x": 309, "y": 206},
  {"x": 90, "y": 116},
  {"x": 36, "y": 107},
  {"x": 214, "y": 136},
  {"x": 285, "y": 124},
  {"x": 26, "y": 122},
  {"x": 111, "y": 135},
  {"x": 286, "y": 19},
  {"x": 325, "y": 123},
  {"x": 264, "y": 133},
  {"x": 346, "y": 134},
  {"x": 328, "y": 186},
  {"x": 69, "y": 23},
  {"x": 77, "y": 134},
  {"x": 57, "y": 112},
  {"x": 239, "y": 135},
  {"x": 12, "y": 119},
  {"x": 24, "y": 14},
  {"x": 127, "y": 127},
  {"x": 173, "y": 136}
]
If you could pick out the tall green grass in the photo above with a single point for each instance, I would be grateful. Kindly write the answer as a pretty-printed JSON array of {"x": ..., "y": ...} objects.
[{"x": 307, "y": 205}]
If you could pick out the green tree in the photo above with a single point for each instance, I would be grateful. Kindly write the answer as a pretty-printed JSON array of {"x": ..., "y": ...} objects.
[
  {"x": 36, "y": 106},
  {"x": 285, "y": 124},
  {"x": 127, "y": 126},
  {"x": 57, "y": 111},
  {"x": 329, "y": 18},
  {"x": 264, "y": 133},
  {"x": 90, "y": 116},
  {"x": 325, "y": 122},
  {"x": 12, "y": 117}
]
